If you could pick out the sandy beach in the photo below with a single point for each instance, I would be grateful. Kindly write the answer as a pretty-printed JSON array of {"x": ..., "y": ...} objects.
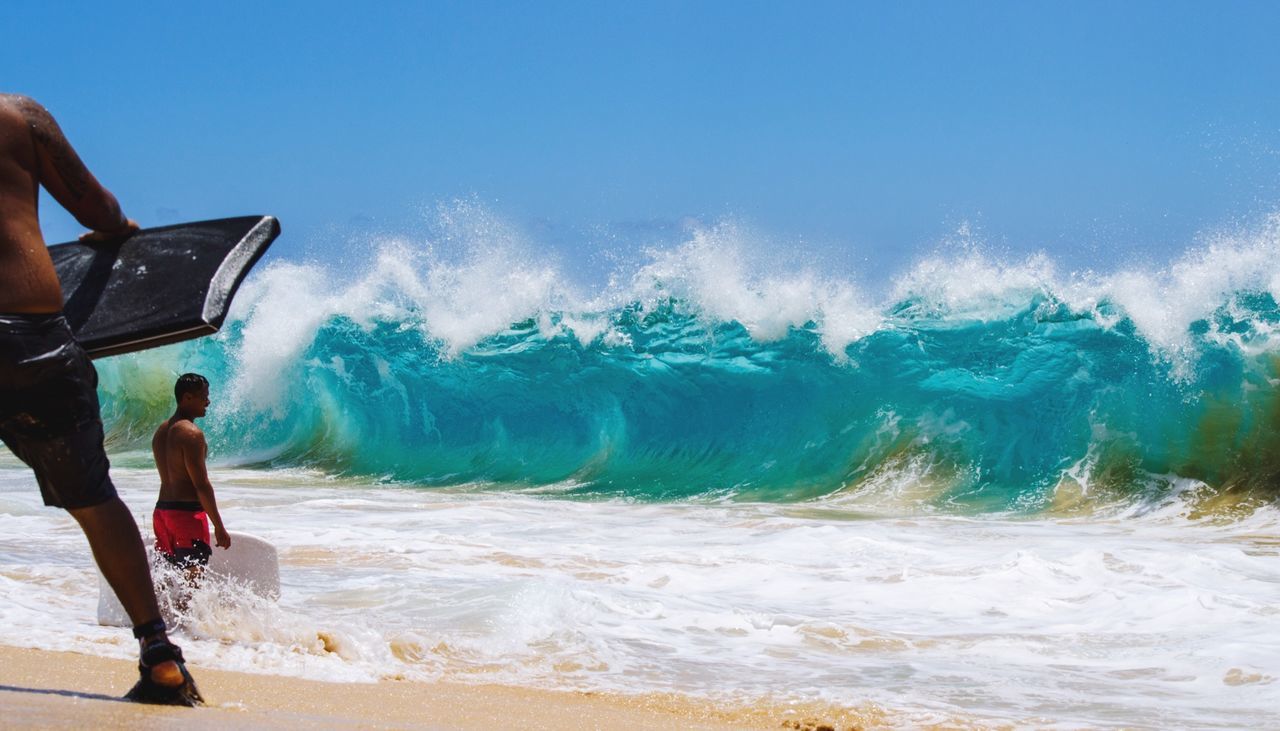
[{"x": 42, "y": 689}]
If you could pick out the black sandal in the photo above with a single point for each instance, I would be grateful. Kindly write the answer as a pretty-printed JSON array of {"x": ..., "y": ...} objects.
[{"x": 159, "y": 651}]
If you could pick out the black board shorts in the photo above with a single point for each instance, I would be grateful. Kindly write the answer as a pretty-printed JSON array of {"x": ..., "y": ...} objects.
[{"x": 49, "y": 414}]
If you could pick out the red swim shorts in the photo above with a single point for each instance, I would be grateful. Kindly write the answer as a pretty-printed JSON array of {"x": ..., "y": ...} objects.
[{"x": 182, "y": 532}]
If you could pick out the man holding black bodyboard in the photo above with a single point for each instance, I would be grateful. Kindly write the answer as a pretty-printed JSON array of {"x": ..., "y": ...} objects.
[{"x": 49, "y": 412}]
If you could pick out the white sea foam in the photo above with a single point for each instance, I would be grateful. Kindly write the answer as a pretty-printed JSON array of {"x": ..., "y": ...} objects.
[
  {"x": 971, "y": 285},
  {"x": 1164, "y": 303},
  {"x": 723, "y": 275},
  {"x": 1146, "y": 621}
]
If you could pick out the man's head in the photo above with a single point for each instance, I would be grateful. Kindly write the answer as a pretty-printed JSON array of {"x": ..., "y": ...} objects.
[{"x": 192, "y": 393}]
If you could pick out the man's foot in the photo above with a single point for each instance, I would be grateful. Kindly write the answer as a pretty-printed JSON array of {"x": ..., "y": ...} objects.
[
  {"x": 164, "y": 678},
  {"x": 168, "y": 674}
]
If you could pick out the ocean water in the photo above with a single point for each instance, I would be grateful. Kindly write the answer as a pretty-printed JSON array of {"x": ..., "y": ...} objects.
[{"x": 991, "y": 491}]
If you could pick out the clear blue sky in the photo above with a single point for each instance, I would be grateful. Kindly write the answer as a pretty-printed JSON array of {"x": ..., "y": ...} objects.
[{"x": 1096, "y": 131}]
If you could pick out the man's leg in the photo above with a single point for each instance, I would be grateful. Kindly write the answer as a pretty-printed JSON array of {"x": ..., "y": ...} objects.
[
  {"x": 50, "y": 418},
  {"x": 117, "y": 547}
]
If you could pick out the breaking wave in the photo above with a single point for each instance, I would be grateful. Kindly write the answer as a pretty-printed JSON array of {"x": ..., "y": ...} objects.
[{"x": 975, "y": 384}]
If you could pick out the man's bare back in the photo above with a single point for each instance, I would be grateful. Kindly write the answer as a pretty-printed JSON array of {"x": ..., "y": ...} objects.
[
  {"x": 173, "y": 442},
  {"x": 34, "y": 152}
]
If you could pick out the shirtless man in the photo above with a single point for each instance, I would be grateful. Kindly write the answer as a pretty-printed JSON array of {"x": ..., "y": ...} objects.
[
  {"x": 49, "y": 414},
  {"x": 187, "y": 504}
]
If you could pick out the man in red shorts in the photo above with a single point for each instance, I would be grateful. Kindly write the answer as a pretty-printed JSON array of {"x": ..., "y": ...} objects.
[
  {"x": 49, "y": 413},
  {"x": 187, "y": 504}
]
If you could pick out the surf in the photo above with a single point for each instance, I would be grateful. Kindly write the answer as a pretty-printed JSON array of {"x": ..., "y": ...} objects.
[{"x": 973, "y": 384}]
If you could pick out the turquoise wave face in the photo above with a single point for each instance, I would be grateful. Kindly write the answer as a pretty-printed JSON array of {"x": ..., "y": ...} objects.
[{"x": 1044, "y": 407}]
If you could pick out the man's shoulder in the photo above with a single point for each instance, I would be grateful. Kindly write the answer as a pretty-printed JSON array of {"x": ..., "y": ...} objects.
[
  {"x": 21, "y": 103},
  {"x": 20, "y": 110},
  {"x": 15, "y": 106},
  {"x": 186, "y": 430}
]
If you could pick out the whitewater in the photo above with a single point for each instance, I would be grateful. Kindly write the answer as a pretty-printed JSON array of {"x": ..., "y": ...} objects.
[{"x": 990, "y": 492}]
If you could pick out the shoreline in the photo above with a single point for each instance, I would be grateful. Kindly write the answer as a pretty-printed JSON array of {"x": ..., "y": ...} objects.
[{"x": 55, "y": 689}]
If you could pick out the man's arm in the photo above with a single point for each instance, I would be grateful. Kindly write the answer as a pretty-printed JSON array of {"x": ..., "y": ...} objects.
[
  {"x": 194, "y": 450},
  {"x": 68, "y": 180}
]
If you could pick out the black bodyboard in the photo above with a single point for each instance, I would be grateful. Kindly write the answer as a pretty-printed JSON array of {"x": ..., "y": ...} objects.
[{"x": 161, "y": 285}]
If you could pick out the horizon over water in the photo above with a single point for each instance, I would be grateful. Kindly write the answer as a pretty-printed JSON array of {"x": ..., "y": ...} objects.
[{"x": 994, "y": 492}]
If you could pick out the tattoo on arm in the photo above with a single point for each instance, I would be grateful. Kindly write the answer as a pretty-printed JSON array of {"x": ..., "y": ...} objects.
[{"x": 75, "y": 176}]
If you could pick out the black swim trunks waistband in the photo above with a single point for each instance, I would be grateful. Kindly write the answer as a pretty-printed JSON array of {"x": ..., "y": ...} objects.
[
  {"x": 26, "y": 322},
  {"x": 191, "y": 505}
]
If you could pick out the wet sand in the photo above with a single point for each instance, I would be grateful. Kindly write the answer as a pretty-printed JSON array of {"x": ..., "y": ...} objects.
[{"x": 43, "y": 689}]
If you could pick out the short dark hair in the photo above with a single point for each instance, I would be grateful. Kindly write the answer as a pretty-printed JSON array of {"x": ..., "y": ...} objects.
[{"x": 189, "y": 383}]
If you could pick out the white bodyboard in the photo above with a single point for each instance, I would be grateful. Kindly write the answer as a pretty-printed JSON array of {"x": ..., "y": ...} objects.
[{"x": 251, "y": 562}]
